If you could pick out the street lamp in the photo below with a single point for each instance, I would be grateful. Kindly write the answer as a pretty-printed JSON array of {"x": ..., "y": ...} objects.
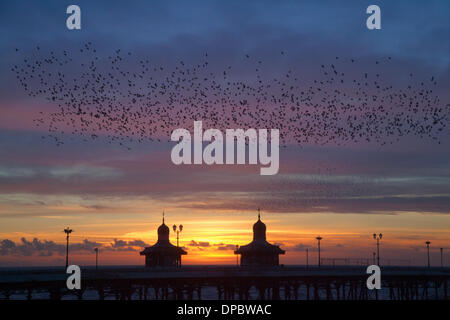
[
  {"x": 428, "y": 252},
  {"x": 318, "y": 245},
  {"x": 378, "y": 238},
  {"x": 67, "y": 231},
  {"x": 178, "y": 230},
  {"x": 442, "y": 254},
  {"x": 96, "y": 258}
]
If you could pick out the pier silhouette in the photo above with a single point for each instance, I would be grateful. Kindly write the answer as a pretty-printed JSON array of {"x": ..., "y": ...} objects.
[
  {"x": 228, "y": 283},
  {"x": 259, "y": 276}
]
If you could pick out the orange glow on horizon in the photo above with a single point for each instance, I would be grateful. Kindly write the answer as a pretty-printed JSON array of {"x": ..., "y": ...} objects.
[{"x": 213, "y": 241}]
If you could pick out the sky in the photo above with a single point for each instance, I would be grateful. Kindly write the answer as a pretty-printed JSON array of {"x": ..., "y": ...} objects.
[{"x": 113, "y": 198}]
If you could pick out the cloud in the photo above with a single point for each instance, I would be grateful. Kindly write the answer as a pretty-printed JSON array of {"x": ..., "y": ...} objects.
[
  {"x": 226, "y": 247},
  {"x": 338, "y": 180},
  {"x": 300, "y": 247},
  {"x": 6, "y": 246},
  {"x": 96, "y": 207},
  {"x": 123, "y": 245},
  {"x": 137, "y": 243},
  {"x": 202, "y": 244},
  {"x": 86, "y": 245},
  {"x": 49, "y": 248}
]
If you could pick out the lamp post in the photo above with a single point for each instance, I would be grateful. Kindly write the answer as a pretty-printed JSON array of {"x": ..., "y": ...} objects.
[
  {"x": 96, "y": 258},
  {"x": 442, "y": 254},
  {"x": 428, "y": 252},
  {"x": 68, "y": 231},
  {"x": 318, "y": 245},
  {"x": 378, "y": 238},
  {"x": 178, "y": 230},
  {"x": 373, "y": 257},
  {"x": 237, "y": 256}
]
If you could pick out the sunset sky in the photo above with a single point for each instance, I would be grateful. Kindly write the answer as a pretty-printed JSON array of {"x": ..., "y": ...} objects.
[{"x": 113, "y": 198}]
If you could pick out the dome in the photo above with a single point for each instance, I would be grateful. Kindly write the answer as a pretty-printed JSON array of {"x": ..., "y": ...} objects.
[
  {"x": 163, "y": 229},
  {"x": 259, "y": 226},
  {"x": 163, "y": 232},
  {"x": 259, "y": 230}
]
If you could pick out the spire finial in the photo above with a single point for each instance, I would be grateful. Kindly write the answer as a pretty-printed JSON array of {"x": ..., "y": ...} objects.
[
  {"x": 259, "y": 213},
  {"x": 163, "y": 216}
]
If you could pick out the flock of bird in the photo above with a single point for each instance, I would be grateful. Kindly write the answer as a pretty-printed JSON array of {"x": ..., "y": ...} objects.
[{"x": 102, "y": 96}]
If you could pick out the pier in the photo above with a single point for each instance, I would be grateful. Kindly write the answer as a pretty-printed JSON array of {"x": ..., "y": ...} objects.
[{"x": 228, "y": 283}]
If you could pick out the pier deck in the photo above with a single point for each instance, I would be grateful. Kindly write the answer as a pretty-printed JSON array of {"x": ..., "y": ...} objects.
[{"x": 190, "y": 282}]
